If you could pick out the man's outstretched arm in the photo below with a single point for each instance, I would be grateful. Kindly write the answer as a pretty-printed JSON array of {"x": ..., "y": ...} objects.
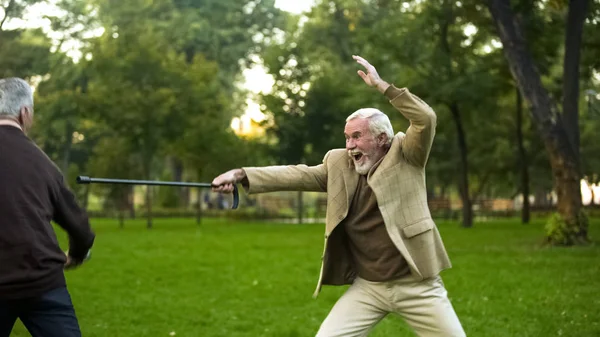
[
  {"x": 274, "y": 178},
  {"x": 419, "y": 136}
]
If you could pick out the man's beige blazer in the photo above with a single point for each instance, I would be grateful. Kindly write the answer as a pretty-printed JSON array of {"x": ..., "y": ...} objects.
[{"x": 398, "y": 183}]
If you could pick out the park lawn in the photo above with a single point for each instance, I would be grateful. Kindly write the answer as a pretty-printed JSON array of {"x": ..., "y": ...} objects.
[{"x": 256, "y": 279}]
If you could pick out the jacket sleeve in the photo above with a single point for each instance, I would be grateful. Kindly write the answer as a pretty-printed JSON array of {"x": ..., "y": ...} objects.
[
  {"x": 287, "y": 178},
  {"x": 419, "y": 135}
]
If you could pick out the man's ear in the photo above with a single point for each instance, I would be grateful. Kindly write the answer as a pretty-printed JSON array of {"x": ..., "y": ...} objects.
[
  {"x": 382, "y": 139},
  {"x": 26, "y": 118}
]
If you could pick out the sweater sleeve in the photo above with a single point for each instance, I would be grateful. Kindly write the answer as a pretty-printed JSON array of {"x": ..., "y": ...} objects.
[{"x": 74, "y": 220}]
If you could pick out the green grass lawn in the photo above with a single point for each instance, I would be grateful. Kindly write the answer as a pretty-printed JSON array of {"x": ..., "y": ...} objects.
[{"x": 254, "y": 279}]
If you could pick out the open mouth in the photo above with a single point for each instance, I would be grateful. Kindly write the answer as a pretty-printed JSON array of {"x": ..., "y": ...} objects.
[{"x": 357, "y": 156}]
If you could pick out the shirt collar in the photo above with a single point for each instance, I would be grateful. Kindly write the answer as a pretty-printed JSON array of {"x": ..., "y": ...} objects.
[{"x": 11, "y": 123}]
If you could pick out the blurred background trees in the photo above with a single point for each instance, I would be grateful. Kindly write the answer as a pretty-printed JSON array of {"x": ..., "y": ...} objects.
[{"x": 151, "y": 90}]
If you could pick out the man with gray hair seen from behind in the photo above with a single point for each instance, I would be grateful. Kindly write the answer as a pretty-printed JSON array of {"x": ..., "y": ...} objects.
[
  {"x": 33, "y": 193},
  {"x": 379, "y": 234}
]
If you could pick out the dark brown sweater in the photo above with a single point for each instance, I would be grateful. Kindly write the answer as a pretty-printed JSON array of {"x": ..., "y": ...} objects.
[
  {"x": 373, "y": 253},
  {"x": 32, "y": 194}
]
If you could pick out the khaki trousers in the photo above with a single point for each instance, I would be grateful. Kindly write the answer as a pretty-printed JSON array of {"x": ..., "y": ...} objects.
[{"x": 424, "y": 305}]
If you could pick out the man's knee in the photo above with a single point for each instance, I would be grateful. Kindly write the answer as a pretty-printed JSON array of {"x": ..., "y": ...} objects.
[
  {"x": 447, "y": 325},
  {"x": 354, "y": 314}
]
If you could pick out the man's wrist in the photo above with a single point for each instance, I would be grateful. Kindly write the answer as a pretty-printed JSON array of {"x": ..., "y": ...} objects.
[
  {"x": 242, "y": 178},
  {"x": 239, "y": 175},
  {"x": 382, "y": 86}
]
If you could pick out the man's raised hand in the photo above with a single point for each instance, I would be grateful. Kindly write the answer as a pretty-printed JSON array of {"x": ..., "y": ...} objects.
[{"x": 371, "y": 77}]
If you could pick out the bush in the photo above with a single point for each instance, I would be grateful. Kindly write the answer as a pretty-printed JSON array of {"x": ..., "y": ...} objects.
[{"x": 560, "y": 232}]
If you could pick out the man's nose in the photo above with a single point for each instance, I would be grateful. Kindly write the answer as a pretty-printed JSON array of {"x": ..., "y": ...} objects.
[{"x": 350, "y": 144}]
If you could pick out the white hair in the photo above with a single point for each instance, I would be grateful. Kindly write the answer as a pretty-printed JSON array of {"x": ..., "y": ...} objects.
[
  {"x": 15, "y": 94},
  {"x": 378, "y": 122}
]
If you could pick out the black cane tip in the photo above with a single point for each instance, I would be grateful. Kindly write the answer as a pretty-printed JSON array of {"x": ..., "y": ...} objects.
[{"x": 83, "y": 180}]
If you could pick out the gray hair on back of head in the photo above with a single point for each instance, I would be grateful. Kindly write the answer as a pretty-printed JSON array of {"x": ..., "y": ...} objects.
[
  {"x": 15, "y": 94},
  {"x": 378, "y": 122}
]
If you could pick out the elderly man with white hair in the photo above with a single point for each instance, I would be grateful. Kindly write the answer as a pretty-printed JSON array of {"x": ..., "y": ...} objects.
[
  {"x": 32, "y": 194},
  {"x": 379, "y": 234}
]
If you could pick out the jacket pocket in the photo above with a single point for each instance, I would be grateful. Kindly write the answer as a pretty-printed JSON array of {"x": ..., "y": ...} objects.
[{"x": 417, "y": 228}]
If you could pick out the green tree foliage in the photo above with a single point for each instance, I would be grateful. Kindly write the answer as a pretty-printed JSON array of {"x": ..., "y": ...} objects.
[
  {"x": 153, "y": 95},
  {"x": 23, "y": 52}
]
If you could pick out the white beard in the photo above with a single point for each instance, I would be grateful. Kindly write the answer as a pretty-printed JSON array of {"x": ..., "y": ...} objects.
[
  {"x": 364, "y": 167},
  {"x": 366, "y": 163}
]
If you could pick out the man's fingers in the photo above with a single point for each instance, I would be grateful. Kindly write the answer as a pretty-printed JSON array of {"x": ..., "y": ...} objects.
[
  {"x": 220, "y": 181},
  {"x": 224, "y": 188},
  {"x": 224, "y": 183},
  {"x": 362, "y": 74},
  {"x": 359, "y": 59},
  {"x": 363, "y": 62}
]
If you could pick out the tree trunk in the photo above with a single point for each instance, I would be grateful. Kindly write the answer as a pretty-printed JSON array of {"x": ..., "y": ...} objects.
[
  {"x": 523, "y": 161},
  {"x": 7, "y": 12},
  {"x": 67, "y": 146},
  {"x": 199, "y": 201},
  {"x": 149, "y": 207},
  {"x": 199, "y": 207},
  {"x": 186, "y": 197},
  {"x": 443, "y": 190},
  {"x": 563, "y": 160},
  {"x": 341, "y": 32},
  {"x": 541, "y": 200},
  {"x": 177, "y": 167},
  {"x": 86, "y": 197},
  {"x": 573, "y": 38},
  {"x": 483, "y": 189},
  {"x": 431, "y": 192},
  {"x": 123, "y": 204},
  {"x": 447, "y": 20},
  {"x": 131, "y": 198},
  {"x": 300, "y": 207},
  {"x": 147, "y": 162},
  {"x": 121, "y": 218},
  {"x": 463, "y": 183}
]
